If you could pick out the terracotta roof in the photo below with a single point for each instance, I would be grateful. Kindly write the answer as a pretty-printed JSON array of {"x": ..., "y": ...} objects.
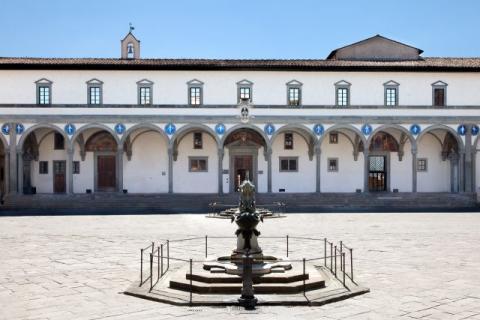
[{"x": 425, "y": 64}]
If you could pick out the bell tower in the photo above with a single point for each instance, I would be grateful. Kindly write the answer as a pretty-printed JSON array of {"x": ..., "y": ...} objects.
[{"x": 130, "y": 46}]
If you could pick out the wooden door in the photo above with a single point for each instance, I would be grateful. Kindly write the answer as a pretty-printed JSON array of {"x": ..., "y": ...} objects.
[
  {"x": 59, "y": 177},
  {"x": 377, "y": 175},
  {"x": 106, "y": 177},
  {"x": 243, "y": 168}
]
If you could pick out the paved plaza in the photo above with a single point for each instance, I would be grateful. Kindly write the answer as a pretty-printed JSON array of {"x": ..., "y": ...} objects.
[{"x": 417, "y": 265}]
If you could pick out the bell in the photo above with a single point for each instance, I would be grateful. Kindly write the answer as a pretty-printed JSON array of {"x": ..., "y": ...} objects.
[{"x": 130, "y": 49}]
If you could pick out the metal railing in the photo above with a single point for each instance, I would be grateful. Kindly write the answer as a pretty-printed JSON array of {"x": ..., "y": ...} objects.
[{"x": 334, "y": 258}]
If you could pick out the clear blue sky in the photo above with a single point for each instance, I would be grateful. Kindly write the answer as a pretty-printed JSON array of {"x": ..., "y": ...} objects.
[{"x": 234, "y": 29}]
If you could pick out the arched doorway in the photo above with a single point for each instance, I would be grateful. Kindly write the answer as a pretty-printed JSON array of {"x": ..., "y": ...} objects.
[
  {"x": 104, "y": 148},
  {"x": 382, "y": 144},
  {"x": 243, "y": 147}
]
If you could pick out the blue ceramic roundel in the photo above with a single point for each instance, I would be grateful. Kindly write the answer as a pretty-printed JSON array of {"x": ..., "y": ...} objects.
[
  {"x": 69, "y": 129},
  {"x": 19, "y": 128},
  {"x": 170, "y": 128},
  {"x": 269, "y": 129},
  {"x": 475, "y": 130},
  {"x": 318, "y": 129},
  {"x": 119, "y": 128},
  {"x": 415, "y": 129},
  {"x": 462, "y": 129},
  {"x": 367, "y": 129},
  {"x": 220, "y": 128},
  {"x": 6, "y": 129}
]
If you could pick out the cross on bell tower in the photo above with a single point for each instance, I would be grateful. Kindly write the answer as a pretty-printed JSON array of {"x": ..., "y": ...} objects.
[{"x": 130, "y": 45}]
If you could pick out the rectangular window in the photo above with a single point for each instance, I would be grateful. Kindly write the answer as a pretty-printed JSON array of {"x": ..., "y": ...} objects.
[
  {"x": 43, "y": 167},
  {"x": 198, "y": 164},
  {"x": 43, "y": 95},
  {"x": 288, "y": 141},
  {"x": 94, "y": 95},
  {"x": 58, "y": 141},
  {"x": 391, "y": 96},
  {"x": 288, "y": 164},
  {"x": 333, "y": 138},
  {"x": 293, "y": 96},
  {"x": 76, "y": 167},
  {"x": 421, "y": 165},
  {"x": 439, "y": 97},
  {"x": 197, "y": 140},
  {"x": 195, "y": 96},
  {"x": 145, "y": 95},
  {"x": 332, "y": 165},
  {"x": 342, "y": 96},
  {"x": 245, "y": 93}
]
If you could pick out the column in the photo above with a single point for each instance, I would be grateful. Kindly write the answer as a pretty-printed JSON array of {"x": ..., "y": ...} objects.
[
  {"x": 7, "y": 171},
  {"x": 365, "y": 169},
  {"x": 170, "y": 170},
  {"x": 220, "y": 171},
  {"x": 318, "y": 171},
  {"x": 12, "y": 165},
  {"x": 468, "y": 159},
  {"x": 414, "y": 170},
  {"x": 461, "y": 172},
  {"x": 20, "y": 171},
  {"x": 69, "y": 171},
  {"x": 269, "y": 169},
  {"x": 119, "y": 169}
]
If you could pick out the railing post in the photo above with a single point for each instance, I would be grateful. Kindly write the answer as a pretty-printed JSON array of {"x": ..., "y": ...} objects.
[
  {"x": 153, "y": 246},
  {"x": 325, "y": 251},
  {"x": 161, "y": 259},
  {"x": 351, "y": 264},
  {"x": 304, "y": 276},
  {"x": 335, "y": 261},
  {"x": 191, "y": 286},
  {"x": 141, "y": 267},
  {"x": 287, "y": 245},
  {"x": 168, "y": 254},
  {"x": 341, "y": 251},
  {"x": 151, "y": 271},
  {"x": 343, "y": 267},
  {"x": 206, "y": 246},
  {"x": 158, "y": 263},
  {"x": 331, "y": 257}
]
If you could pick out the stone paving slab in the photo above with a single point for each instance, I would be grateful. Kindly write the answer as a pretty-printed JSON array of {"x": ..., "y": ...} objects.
[{"x": 417, "y": 265}]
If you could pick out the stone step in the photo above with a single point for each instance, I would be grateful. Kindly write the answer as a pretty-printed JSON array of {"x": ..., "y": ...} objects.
[{"x": 279, "y": 278}]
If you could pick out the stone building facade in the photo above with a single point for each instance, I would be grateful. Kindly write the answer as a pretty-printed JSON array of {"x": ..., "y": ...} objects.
[{"x": 374, "y": 116}]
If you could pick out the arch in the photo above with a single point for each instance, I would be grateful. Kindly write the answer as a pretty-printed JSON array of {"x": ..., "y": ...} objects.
[
  {"x": 95, "y": 126},
  {"x": 303, "y": 131},
  {"x": 246, "y": 126},
  {"x": 149, "y": 126},
  {"x": 101, "y": 141},
  {"x": 189, "y": 128},
  {"x": 338, "y": 127},
  {"x": 385, "y": 127},
  {"x": 4, "y": 143},
  {"x": 461, "y": 146},
  {"x": 42, "y": 126}
]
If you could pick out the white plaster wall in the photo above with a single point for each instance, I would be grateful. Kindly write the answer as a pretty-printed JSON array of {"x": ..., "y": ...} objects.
[
  {"x": 196, "y": 182},
  {"x": 350, "y": 174},
  {"x": 301, "y": 181},
  {"x": 44, "y": 182},
  {"x": 437, "y": 177},
  {"x": 69, "y": 87},
  {"x": 84, "y": 180},
  {"x": 147, "y": 171},
  {"x": 401, "y": 171}
]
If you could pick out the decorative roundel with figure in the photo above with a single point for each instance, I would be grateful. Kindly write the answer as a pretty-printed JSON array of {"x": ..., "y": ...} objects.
[
  {"x": 318, "y": 129},
  {"x": 367, "y": 129},
  {"x": 120, "y": 128},
  {"x": 462, "y": 129},
  {"x": 170, "y": 128},
  {"x": 220, "y": 128},
  {"x": 70, "y": 129},
  {"x": 415, "y": 129},
  {"x": 475, "y": 130},
  {"x": 19, "y": 128},
  {"x": 269, "y": 129},
  {"x": 6, "y": 129}
]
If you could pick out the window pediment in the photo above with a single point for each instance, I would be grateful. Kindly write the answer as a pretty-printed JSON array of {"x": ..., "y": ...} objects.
[
  {"x": 245, "y": 82},
  {"x": 391, "y": 83},
  {"x": 43, "y": 81},
  {"x": 145, "y": 82},
  {"x": 195, "y": 82},
  {"x": 95, "y": 81},
  {"x": 294, "y": 83},
  {"x": 439, "y": 83},
  {"x": 342, "y": 83}
]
